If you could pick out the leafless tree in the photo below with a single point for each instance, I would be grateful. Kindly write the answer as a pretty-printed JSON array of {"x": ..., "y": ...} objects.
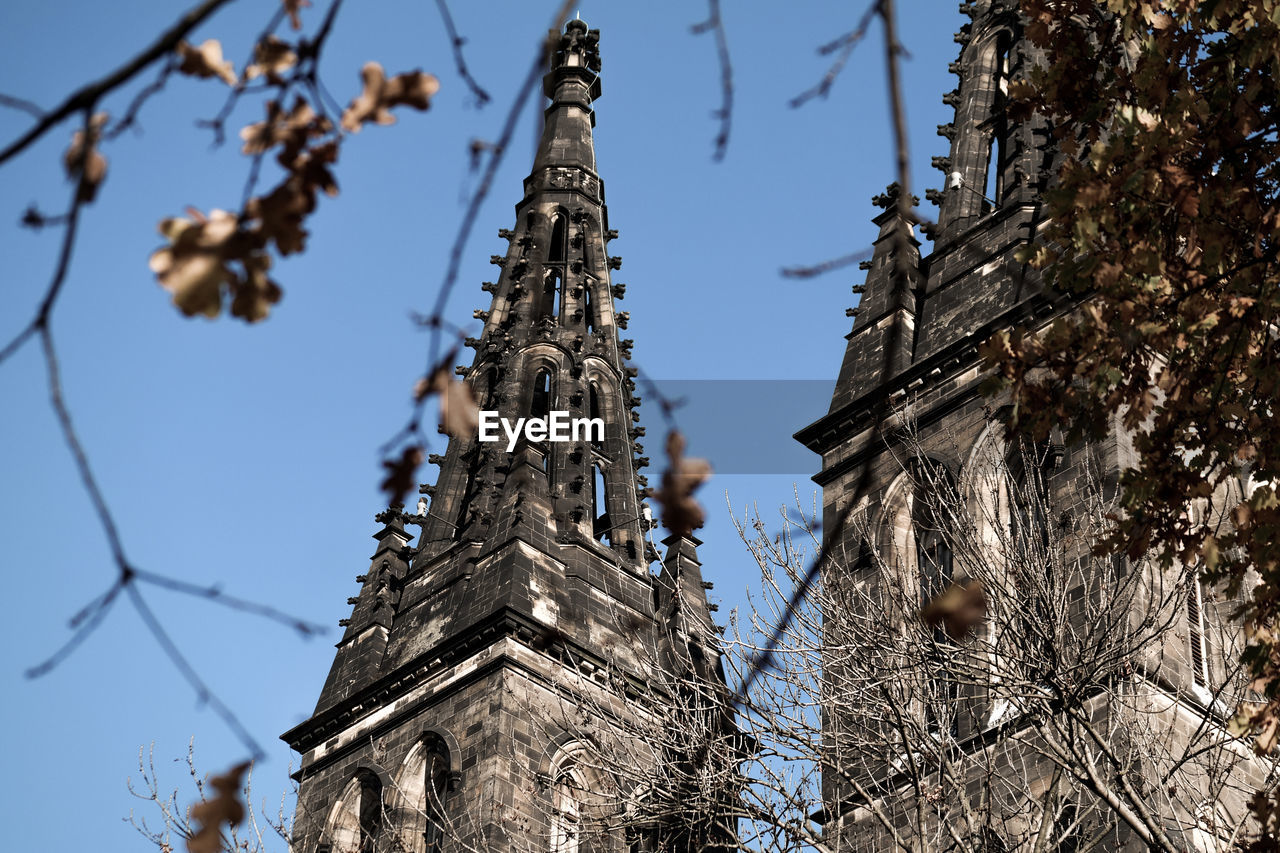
[{"x": 1059, "y": 701}]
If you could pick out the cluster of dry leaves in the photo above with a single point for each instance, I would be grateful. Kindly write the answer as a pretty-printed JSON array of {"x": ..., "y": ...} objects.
[{"x": 224, "y": 256}]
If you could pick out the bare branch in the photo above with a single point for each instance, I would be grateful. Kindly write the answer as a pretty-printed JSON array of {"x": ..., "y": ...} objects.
[
  {"x": 715, "y": 24},
  {"x": 826, "y": 266},
  {"x": 184, "y": 667},
  {"x": 21, "y": 104},
  {"x": 456, "y": 43},
  {"x": 86, "y": 98},
  {"x": 845, "y": 45}
]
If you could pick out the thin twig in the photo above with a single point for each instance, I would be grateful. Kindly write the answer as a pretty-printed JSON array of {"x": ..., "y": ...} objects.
[
  {"x": 826, "y": 266},
  {"x": 845, "y": 44},
  {"x": 216, "y": 595},
  {"x": 83, "y": 623},
  {"x": 192, "y": 677},
  {"x": 218, "y": 123},
  {"x": 88, "y": 96},
  {"x": 715, "y": 23},
  {"x": 21, "y": 104},
  {"x": 456, "y": 43},
  {"x": 130, "y": 117},
  {"x": 880, "y": 414}
]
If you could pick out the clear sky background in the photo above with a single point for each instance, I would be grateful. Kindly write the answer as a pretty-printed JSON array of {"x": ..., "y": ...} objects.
[{"x": 247, "y": 456}]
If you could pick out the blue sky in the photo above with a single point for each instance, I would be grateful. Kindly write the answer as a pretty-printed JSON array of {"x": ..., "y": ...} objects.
[{"x": 247, "y": 456}]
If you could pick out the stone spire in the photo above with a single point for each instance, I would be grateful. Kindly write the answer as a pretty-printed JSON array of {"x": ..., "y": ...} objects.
[
  {"x": 886, "y": 313},
  {"x": 551, "y": 341},
  {"x": 550, "y": 344},
  {"x": 531, "y": 571}
]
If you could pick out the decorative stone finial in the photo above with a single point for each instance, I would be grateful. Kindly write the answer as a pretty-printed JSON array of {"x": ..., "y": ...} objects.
[
  {"x": 578, "y": 46},
  {"x": 890, "y": 196}
]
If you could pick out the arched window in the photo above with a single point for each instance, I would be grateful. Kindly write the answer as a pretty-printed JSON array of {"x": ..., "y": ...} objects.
[
  {"x": 588, "y": 307},
  {"x": 559, "y": 240},
  {"x": 542, "y": 394},
  {"x": 551, "y": 293},
  {"x": 566, "y": 809},
  {"x": 933, "y": 512},
  {"x": 1196, "y": 634},
  {"x": 356, "y": 821},
  {"x": 490, "y": 387},
  {"x": 594, "y": 411},
  {"x": 997, "y": 126},
  {"x": 419, "y": 816},
  {"x": 641, "y": 830},
  {"x": 935, "y": 493},
  {"x": 1028, "y": 504},
  {"x": 600, "y": 494}
]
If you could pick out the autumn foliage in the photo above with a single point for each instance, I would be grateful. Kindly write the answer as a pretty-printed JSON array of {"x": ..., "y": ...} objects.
[
  {"x": 224, "y": 256},
  {"x": 1164, "y": 223}
]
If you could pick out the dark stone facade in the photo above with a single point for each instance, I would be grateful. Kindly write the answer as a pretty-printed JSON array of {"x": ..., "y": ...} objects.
[
  {"x": 442, "y": 724},
  {"x": 914, "y": 349}
]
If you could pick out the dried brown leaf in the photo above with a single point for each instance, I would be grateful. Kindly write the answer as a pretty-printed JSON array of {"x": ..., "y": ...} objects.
[
  {"x": 413, "y": 89},
  {"x": 402, "y": 474},
  {"x": 292, "y": 8},
  {"x": 271, "y": 58},
  {"x": 224, "y": 808},
  {"x": 959, "y": 608},
  {"x": 459, "y": 412},
  {"x": 255, "y": 293},
  {"x": 193, "y": 267},
  {"x": 83, "y": 161},
  {"x": 206, "y": 61},
  {"x": 681, "y": 514}
]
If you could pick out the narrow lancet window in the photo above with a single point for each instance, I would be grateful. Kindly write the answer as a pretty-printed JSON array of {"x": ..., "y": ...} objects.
[
  {"x": 559, "y": 241},
  {"x": 541, "y": 394},
  {"x": 600, "y": 495},
  {"x": 437, "y": 792},
  {"x": 997, "y": 127},
  {"x": 552, "y": 288},
  {"x": 1196, "y": 632},
  {"x": 594, "y": 413}
]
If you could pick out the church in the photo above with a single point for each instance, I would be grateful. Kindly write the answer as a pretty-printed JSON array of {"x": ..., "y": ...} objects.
[
  {"x": 516, "y": 676},
  {"x": 1057, "y": 700},
  {"x": 488, "y": 662}
]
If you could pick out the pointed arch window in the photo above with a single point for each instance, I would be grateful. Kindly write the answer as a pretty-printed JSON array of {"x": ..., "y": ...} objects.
[
  {"x": 437, "y": 794},
  {"x": 552, "y": 292},
  {"x": 594, "y": 411},
  {"x": 559, "y": 240},
  {"x": 935, "y": 491},
  {"x": 542, "y": 393},
  {"x": 1196, "y": 634},
  {"x": 490, "y": 387},
  {"x": 1028, "y": 504},
  {"x": 355, "y": 824},
  {"x": 420, "y": 818},
  {"x": 997, "y": 126},
  {"x": 934, "y": 495},
  {"x": 600, "y": 497},
  {"x": 588, "y": 307},
  {"x": 370, "y": 812},
  {"x": 566, "y": 809}
]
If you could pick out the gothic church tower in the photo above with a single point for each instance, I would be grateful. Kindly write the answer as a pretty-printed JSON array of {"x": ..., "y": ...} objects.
[
  {"x": 913, "y": 352},
  {"x": 437, "y": 728}
]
